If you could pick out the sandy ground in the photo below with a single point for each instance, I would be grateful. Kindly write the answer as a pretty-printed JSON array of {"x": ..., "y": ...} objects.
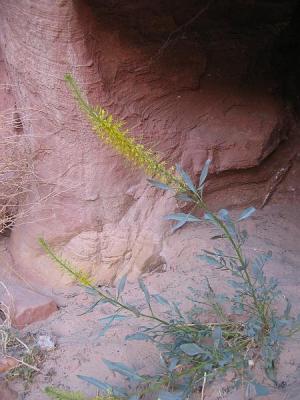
[{"x": 80, "y": 349}]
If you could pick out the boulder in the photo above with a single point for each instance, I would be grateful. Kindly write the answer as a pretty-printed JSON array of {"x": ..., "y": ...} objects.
[{"x": 24, "y": 305}]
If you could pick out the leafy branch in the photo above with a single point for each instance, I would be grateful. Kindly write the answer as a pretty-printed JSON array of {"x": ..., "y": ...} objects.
[{"x": 193, "y": 353}]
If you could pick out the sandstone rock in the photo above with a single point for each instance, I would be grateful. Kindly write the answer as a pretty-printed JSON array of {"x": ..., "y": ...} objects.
[
  {"x": 173, "y": 101},
  {"x": 26, "y": 306}
]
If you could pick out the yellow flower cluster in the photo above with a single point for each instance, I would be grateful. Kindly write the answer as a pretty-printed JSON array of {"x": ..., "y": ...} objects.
[
  {"x": 112, "y": 132},
  {"x": 79, "y": 275}
]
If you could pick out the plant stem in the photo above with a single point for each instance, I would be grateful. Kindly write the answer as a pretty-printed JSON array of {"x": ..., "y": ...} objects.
[{"x": 244, "y": 273}]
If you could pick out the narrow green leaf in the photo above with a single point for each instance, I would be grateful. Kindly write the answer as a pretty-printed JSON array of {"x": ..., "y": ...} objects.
[
  {"x": 183, "y": 197},
  {"x": 210, "y": 260},
  {"x": 134, "y": 310},
  {"x": 91, "y": 308},
  {"x": 138, "y": 336},
  {"x": 204, "y": 172},
  {"x": 177, "y": 311},
  {"x": 217, "y": 336},
  {"x": 158, "y": 185},
  {"x": 216, "y": 237},
  {"x": 246, "y": 213},
  {"x": 106, "y": 327},
  {"x": 160, "y": 299},
  {"x": 105, "y": 387},
  {"x": 121, "y": 285},
  {"x": 260, "y": 389},
  {"x": 223, "y": 214},
  {"x": 173, "y": 363},
  {"x": 209, "y": 217},
  {"x": 114, "y": 317},
  {"x": 186, "y": 178},
  {"x": 122, "y": 369},
  {"x": 288, "y": 308},
  {"x": 191, "y": 349},
  {"x": 182, "y": 217},
  {"x": 178, "y": 225},
  {"x": 250, "y": 391},
  {"x": 145, "y": 291}
]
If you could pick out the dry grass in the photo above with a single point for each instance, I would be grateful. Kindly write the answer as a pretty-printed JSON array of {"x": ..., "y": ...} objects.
[
  {"x": 14, "y": 352},
  {"x": 15, "y": 168},
  {"x": 22, "y": 188}
]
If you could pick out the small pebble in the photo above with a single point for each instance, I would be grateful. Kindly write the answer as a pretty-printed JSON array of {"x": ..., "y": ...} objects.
[{"x": 46, "y": 342}]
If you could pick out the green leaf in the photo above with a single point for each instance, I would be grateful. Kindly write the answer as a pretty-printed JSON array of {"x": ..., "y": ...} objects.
[
  {"x": 216, "y": 237},
  {"x": 91, "y": 308},
  {"x": 217, "y": 336},
  {"x": 177, "y": 311},
  {"x": 134, "y": 310},
  {"x": 271, "y": 374},
  {"x": 260, "y": 261},
  {"x": 182, "y": 217},
  {"x": 121, "y": 285},
  {"x": 191, "y": 349},
  {"x": 110, "y": 320},
  {"x": 122, "y": 369},
  {"x": 186, "y": 178},
  {"x": 103, "y": 385},
  {"x": 260, "y": 389},
  {"x": 114, "y": 317},
  {"x": 145, "y": 291},
  {"x": 223, "y": 214},
  {"x": 204, "y": 172},
  {"x": 178, "y": 225},
  {"x": 173, "y": 363},
  {"x": 288, "y": 308},
  {"x": 160, "y": 299},
  {"x": 210, "y": 260},
  {"x": 158, "y": 185},
  {"x": 106, "y": 327},
  {"x": 210, "y": 218},
  {"x": 246, "y": 213},
  {"x": 250, "y": 391},
  {"x": 138, "y": 336},
  {"x": 183, "y": 197}
]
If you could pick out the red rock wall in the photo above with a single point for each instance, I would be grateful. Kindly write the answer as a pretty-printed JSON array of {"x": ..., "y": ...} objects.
[{"x": 186, "y": 100}]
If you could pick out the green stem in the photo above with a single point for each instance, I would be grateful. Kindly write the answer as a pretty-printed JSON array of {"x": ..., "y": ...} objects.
[{"x": 244, "y": 273}]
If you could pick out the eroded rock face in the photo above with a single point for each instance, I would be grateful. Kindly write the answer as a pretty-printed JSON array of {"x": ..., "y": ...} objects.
[{"x": 179, "y": 100}]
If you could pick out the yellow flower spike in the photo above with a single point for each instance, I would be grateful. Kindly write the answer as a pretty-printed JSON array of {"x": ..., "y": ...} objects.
[
  {"x": 111, "y": 132},
  {"x": 79, "y": 275}
]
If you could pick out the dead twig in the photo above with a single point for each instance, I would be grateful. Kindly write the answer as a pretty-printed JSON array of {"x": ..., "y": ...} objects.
[
  {"x": 203, "y": 386},
  {"x": 276, "y": 180}
]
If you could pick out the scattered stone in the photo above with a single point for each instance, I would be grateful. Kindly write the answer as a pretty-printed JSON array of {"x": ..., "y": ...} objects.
[
  {"x": 26, "y": 306},
  {"x": 46, "y": 342}
]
